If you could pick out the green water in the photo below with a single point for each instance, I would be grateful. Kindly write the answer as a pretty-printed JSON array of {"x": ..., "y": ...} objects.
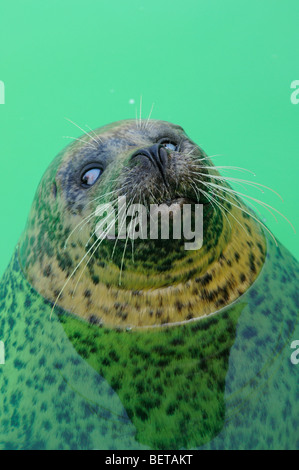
[{"x": 221, "y": 69}]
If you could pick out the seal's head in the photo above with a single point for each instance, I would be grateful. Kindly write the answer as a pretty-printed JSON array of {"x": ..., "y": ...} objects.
[{"x": 130, "y": 282}]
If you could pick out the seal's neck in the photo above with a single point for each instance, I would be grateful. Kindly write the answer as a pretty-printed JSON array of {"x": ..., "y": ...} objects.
[{"x": 162, "y": 283}]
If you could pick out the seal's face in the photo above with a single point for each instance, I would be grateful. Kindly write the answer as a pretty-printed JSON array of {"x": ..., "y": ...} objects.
[
  {"x": 158, "y": 281},
  {"x": 152, "y": 162}
]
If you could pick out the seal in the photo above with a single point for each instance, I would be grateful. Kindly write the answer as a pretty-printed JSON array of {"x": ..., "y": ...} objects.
[
  {"x": 113, "y": 343},
  {"x": 61, "y": 231}
]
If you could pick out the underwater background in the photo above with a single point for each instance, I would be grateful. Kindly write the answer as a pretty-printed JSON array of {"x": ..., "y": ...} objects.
[{"x": 221, "y": 69}]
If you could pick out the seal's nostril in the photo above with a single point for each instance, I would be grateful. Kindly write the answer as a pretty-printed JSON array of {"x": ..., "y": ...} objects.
[{"x": 158, "y": 156}]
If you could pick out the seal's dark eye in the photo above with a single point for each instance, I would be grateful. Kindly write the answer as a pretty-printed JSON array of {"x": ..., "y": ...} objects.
[
  {"x": 90, "y": 176},
  {"x": 169, "y": 144}
]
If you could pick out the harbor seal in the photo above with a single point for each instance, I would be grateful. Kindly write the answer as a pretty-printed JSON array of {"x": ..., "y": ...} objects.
[
  {"x": 154, "y": 345},
  {"x": 60, "y": 232}
]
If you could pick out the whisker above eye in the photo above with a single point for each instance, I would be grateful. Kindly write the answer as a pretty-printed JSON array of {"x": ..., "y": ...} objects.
[
  {"x": 98, "y": 139},
  {"x": 81, "y": 129},
  {"x": 89, "y": 144},
  {"x": 149, "y": 116},
  {"x": 237, "y": 168}
]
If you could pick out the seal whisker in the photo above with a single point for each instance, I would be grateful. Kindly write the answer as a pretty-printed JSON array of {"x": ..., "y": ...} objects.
[
  {"x": 195, "y": 190},
  {"x": 254, "y": 206},
  {"x": 211, "y": 198},
  {"x": 89, "y": 144},
  {"x": 99, "y": 198},
  {"x": 122, "y": 260},
  {"x": 141, "y": 197},
  {"x": 251, "y": 204},
  {"x": 209, "y": 156},
  {"x": 248, "y": 202},
  {"x": 98, "y": 139},
  {"x": 136, "y": 117},
  {"x": 225, "y": 199},
  {"x": 214, "y": 201},
  {"x": 201, "y": 159},
  {"x": 224, "y": 179},
  {"x": 236, "y": 168},
  {"x": 87, "y": 133},
  {"x": 240, "y": 180},
  {"x": 254, "y": 199},
  {"x": 234, "y": 197},
  {"x": 149, "y": 116},
  {"x": 224, "y": 167},
  {"x": 87, "y": 218},
  {"x": 228, "y": 211},
  {"x": 198, "y": 158},
  {"x": 251, "y": 215},
  {"x": 140, "y": 112},
  {"x": 69, "y": 278},
  {"x": 83, "y": 223},
  {"x": 119, "y": 230},
  {"x": 92, "y": 254},
  {"x": 132, "y": 240},
  {"x": 189, "y": 154},
  {"x": 113, "y": 203},
  {"x": 238, "y": 206},
  {"x": 132, "y": 243}
]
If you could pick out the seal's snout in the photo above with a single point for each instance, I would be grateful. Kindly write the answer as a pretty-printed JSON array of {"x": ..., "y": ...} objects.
[{"x": 157, "y": 155}]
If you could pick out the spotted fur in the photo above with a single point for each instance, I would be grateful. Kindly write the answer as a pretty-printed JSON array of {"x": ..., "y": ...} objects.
[
  {"x": 221, "y": 381},
  {"x": 226, "y": 382}
]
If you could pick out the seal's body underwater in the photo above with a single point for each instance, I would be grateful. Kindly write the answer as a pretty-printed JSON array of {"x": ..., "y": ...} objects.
[{"x": 148, "y": 344}]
